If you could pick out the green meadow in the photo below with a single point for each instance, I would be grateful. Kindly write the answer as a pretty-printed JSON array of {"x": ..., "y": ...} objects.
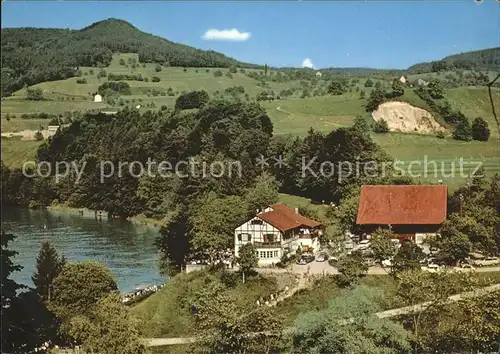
[{"x": 293, "y": 115}]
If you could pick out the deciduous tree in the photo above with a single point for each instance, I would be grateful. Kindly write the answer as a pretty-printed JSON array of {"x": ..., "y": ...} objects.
[
  {"x": 480, "y": 130},
  {"x": 463, "y": 131},
  {"x": 78, "y": 288},
  {"x": 382, "y": 245},
  {"x": 349, "y": 325},
  {"x": 352, "y": 267},
  {"x": 247, "y": 259},
  {"x": 408, "y": 257},
  {"x": 108, "y": 328}
]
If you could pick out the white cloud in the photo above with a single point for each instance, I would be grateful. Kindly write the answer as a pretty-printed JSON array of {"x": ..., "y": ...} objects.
[
  {"x": 307, "y": 63},
  {"x": 226, "y": 35}
]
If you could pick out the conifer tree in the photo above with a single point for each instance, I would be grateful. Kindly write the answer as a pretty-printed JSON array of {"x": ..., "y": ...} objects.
[{"x": 48, "y": 267}]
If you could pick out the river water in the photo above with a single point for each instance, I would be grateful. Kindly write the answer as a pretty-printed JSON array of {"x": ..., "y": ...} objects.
[{"x": 126, "y": 248}]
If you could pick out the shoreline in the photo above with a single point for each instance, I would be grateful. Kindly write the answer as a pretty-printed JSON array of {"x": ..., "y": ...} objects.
[{"x": 138, "y": 219}]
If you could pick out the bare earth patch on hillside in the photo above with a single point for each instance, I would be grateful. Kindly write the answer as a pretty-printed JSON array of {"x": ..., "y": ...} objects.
[
  {"x": 28, "y": 134},
  {"x": 403, "y": 117}
]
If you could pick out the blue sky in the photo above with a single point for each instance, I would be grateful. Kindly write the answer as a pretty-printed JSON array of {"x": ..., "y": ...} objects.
[{"x": 331, "y": 34}]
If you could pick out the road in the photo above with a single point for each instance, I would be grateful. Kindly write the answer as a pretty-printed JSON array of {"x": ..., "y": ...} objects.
[
  {"x": 323, "y": 268},
  {"x": 157, "y": 342}
]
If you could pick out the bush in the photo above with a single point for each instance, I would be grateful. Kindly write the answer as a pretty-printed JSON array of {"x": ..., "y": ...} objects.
[
  {"x": 194, "y": 99},
  {"x": 233, "y": 70},
  {"x": 91, "y": 72},
  {"x": 265, "y": 96},
  {"x": 122, "y": 61},
  {"x": 121, "y": 77},
  {"x": 397, "y": 88},
  {"x": 369, "y": 83},
  {"x": 34, "y": 94},
  {"x": 158, "y": 68},
  {"x": 116, "y": 86},
  {"x": 436, "y": 89},
  {"x": 81, "y": 81},
  {"x": 440, "y": 135},
  {"x": 480, "y": 130},
  {"x": 335, "y": 88},
  {"x": 463, "y": 131},
  {"x": 377, "y": 97},
  {"x": 229, "y": 75},
  {"x": 38, "y": 136},
  {"x": 381, "y": 126},
  {"x": 217, "y": 73},
  {"x": 102, "y": 73},
  {"x": 155, "y": 79}
]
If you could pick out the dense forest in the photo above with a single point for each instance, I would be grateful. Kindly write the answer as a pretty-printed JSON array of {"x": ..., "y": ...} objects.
[
  {"x": 218, "y": 132},
  {"x": 485, "y": 59},
  {"x": 33, "y": 55}
]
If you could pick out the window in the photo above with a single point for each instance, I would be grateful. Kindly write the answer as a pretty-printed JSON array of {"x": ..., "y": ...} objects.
[
  {"x": 268, "y": 237},
  {"x": 244, "y": 237},
  {"x": 268, "y": 254},
  {"x": 256, "y": 222}
]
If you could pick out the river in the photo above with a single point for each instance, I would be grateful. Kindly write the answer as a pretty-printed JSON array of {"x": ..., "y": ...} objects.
[{"x": 126, "y": 248}]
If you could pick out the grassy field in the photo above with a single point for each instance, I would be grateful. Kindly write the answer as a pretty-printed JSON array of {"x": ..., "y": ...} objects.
[
  {"x": 18, "y": 124},
  {"x": 16, "y": 151},
  {"x": 293, "y": 115},
  {"x": 168, "y": 313},
  {"x": 322, "y": 113}
]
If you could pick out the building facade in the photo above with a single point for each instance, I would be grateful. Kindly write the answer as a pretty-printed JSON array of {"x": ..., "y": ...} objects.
[
  {"x": 413, "y": 212},
  {"x": 277, "y": 231}
]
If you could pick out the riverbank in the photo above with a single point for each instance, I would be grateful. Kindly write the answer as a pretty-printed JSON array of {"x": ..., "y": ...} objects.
[{"x": 138, "y": 219}]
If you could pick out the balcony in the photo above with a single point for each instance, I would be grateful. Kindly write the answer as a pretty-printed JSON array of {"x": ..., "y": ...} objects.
[{"x": 267, "y": 244}]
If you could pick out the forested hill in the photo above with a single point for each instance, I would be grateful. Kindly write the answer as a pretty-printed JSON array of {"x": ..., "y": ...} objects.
[
  {"x": 478, "y": 59},
  {"x": 33, "y": 55}
]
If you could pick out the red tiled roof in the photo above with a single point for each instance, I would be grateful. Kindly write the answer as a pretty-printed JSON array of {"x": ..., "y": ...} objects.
[
  {"x": 284, "y": 218},
  {"x": 402, "y": 205}
]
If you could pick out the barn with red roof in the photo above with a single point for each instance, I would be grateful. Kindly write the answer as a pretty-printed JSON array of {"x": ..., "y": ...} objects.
[{"x": 410, "y": 211}]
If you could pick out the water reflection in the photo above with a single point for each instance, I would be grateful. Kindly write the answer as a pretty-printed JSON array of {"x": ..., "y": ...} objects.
[{"x": 126, "y": 248}]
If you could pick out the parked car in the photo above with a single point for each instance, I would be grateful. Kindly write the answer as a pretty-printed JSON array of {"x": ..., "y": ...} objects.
[
  {"x": 466, "y": 266},
  {"x": 431, "y": 268},
  {"x": 322, "y": 257},
  {"x": 386, "y": 263},
  {"x": 487, "y": 262},
  {"x": 362, "y": 245},
  {"x": 305, "y": 258}
]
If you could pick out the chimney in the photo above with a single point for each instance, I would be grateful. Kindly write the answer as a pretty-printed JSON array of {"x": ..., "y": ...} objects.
[{"x": 296, "y": 210}]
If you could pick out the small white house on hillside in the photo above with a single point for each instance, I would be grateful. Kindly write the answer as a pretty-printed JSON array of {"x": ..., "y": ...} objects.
[
  {"x": 97, "y": 98},
  {"x": 277, "y": 231},
  {"x": 403, "y": 79},
  {"x": 318, "y": 74}
]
